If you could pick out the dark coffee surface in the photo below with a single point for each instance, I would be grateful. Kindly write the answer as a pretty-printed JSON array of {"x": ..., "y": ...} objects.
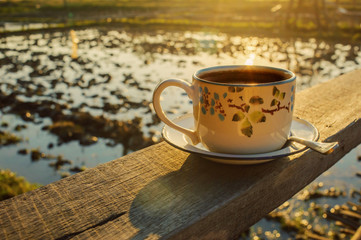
[{"x": 244, "y": 76}]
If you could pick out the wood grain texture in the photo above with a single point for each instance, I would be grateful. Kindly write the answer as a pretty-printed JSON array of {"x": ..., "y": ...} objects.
[{"x": 162, "y": 192}]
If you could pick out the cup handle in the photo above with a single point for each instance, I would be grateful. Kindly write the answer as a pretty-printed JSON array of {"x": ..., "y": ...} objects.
[{"x": 158, "y": 108}]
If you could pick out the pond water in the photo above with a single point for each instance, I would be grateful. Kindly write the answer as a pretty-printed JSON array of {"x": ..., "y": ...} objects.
[
  {"x": 53, "y": 84},
  {"x": 114, "y": 75}
]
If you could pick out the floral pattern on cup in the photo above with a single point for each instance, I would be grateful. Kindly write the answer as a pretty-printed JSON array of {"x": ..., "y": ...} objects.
[{"x": 213, "y": 103}]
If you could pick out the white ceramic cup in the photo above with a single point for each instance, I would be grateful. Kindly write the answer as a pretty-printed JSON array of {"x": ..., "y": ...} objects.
[{"x": 238, "y": 109}]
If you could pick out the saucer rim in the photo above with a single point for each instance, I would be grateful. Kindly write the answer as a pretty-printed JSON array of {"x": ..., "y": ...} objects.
[{"x": 262, "y": 157}]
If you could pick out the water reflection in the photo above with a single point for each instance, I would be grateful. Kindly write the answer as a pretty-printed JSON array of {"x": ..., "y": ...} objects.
[{"x": 93, "y": 87}]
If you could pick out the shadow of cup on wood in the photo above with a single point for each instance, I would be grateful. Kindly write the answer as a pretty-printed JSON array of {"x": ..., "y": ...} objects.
[{"x": 173, "y": 201}]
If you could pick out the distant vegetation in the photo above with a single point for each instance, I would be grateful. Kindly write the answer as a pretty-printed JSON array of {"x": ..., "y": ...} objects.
[{"x": 333, "y": 18}]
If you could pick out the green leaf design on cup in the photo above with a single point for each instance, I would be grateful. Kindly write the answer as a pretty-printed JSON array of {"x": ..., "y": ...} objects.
[
  {"x": 275, "y": 92},
  {"x": 239, "y": 116},
  {"x": 246, "y": 116},
  {"x": 256, "y": 100},
  {"x": 282, "y": 96},
  {"x": 278, "y": 94},
  {"x": 274, "y": 102},
  {"x": 257, "y": 117},
  {"x": 231, "y": 89},
  {"x": 246, "y": 128},
  {"x": 239, "y": 89},
  {"x": 247, "y": 107}
]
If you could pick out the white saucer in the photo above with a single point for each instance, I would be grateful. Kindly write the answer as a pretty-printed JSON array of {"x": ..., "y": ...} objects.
[{"x": 300, "y": 128}]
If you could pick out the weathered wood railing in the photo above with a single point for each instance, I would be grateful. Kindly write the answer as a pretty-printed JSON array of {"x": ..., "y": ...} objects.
[{"x": 162, "y": 192}]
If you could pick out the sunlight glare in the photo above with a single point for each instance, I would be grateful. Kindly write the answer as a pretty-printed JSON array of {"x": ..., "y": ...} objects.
[{"x": 250, "y": 59}]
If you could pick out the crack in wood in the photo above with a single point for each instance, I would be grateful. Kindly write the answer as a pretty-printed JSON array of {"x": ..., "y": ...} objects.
[{"x": 110, "y": 218}]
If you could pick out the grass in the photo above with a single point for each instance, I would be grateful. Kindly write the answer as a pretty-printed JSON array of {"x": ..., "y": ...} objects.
[{"x": 12, "y": 185}]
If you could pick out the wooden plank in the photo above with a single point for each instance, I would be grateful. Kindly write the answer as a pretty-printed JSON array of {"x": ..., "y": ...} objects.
[{"x": 161, "y": 192}]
